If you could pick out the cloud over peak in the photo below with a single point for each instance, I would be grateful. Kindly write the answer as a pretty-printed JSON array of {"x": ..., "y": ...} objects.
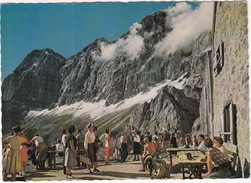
[
  {"x": 187, "y": 25},
  {"x": 131, "y": 46}
]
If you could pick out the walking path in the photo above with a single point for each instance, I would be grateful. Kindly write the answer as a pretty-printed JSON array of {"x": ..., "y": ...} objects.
[{"x": 116, "y": 171}]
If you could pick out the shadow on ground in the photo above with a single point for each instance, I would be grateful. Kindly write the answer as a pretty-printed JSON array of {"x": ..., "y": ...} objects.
[
  {"x": 39, "y": 174},
  {"x": 111, "y": 175}
]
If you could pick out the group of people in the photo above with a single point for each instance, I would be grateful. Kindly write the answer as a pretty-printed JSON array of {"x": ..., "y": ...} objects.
[
  {"x": 79, "y": 142},
  {"x": 15, "y": 153},
  {"x": 88, "y": 142},
  {"x": 16, "y": 148},
  {"x": 218, "y": 164},
  {"x": 158, "y": 139},
  {"x": 148, "y": 144}
]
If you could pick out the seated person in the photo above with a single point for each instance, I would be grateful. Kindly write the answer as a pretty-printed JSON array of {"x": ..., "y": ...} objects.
[
  {"x": 218, "y": 142},
  {"x": 59, "y": 147},
  {"x": 215, "y": 156},
  {"x": 201, "y": 146},
  {"x": 187, "y": 141},
  {"x": 149, "y": 148}
]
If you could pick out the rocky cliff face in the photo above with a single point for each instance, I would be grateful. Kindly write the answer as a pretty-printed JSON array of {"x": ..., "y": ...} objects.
[
  {"x": 46, "y": 80},
  {"x": 35, "y": 83},
  {"x": 90, "y": 78}
]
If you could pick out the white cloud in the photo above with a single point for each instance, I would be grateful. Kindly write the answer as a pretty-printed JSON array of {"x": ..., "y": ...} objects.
[
  {"x": 130, "y": 46},
  {"x": 187, "y": 25},
  {"x": 107, "y": 51},
  {"x": 179, "y": 8}
]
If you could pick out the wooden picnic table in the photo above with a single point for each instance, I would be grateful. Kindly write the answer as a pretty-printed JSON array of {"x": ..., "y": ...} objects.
[
  {"x": 194, "y": 165},
  {"x": 171, "y": 151},
  {"x": 52, "y": 155}
]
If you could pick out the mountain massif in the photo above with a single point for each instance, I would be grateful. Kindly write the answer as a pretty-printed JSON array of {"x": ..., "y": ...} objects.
[{"x": 47, "y": 91}]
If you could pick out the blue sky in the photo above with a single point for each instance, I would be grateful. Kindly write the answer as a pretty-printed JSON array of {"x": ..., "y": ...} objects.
[{"x": 65, "y": 28}]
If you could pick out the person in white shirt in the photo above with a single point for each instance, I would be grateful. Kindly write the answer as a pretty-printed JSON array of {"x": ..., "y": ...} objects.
[
  {"x": 59, "y": 147},
  {"x": 136, "y": 146},
  {"x": 202, "y": 147},
  {"x": 89, "y": 146},
  {"x": 218, "y": 142},
  {"x": 64, "y": 136},
  {"x": 109, "y": 149},
  {"x": 123, "y": 146},
  {"x": 41, "y": 150},
  {"x": 194, "y": 140}
]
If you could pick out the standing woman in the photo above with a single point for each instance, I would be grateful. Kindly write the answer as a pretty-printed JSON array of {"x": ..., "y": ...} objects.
[
  {"x": 108, "y": 146},
  {"x": 136, "y": 146},
  {"x": 64, "y": 138},
  {"x": 12, "y": 154},
  {"x": 89, "y": 146},
  {"x": 70, "y": 151},
  {"x": 174, "y": 141},
  {"x": 41, "y": 150}
]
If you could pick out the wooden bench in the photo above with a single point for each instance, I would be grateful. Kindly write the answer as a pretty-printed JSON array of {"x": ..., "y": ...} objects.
[
  {"x": 52, "y": 155},
  {"x": 232, "y": 155},
  {"x": 158, "y": 163}
]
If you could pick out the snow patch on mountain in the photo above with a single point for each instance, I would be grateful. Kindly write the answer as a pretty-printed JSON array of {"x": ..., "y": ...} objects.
[{"x": 99, "y": 109}]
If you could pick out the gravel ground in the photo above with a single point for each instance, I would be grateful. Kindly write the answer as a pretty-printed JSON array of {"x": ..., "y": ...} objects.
[{"x": 116, "y": 171}]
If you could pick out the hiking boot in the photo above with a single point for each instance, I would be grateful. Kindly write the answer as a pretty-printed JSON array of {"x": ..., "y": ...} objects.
[
  {"x": 69, "y": 176},
  {"x": 142, "y": 170},
  {"x": 96, "y": 170}
]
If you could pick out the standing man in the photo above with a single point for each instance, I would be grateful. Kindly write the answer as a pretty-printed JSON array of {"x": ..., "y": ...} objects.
[
  {"x": 123, "y": 148},
  {"x": 90, "y": 148},
  {"x": 80, "y": 140},
  {"x": 80, "y": 144},
  {"x": 166, "y": 136}
]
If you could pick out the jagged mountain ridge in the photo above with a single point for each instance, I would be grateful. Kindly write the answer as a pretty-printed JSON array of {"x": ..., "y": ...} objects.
[
  {"x": 34, "y": 84},
  {"x": 122, "y": 73},
  {"x": 83, "y": 77}
]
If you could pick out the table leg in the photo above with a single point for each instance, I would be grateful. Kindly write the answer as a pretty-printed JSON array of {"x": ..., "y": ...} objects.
[
  {"x": 183, "y": 171},
  {"x": 195, "y": 171},
  {"x": 50, "y": 161},
  {"x": 171, "y": 160},
  {"x": 54, "y": 159},
  {"x": 199, "y": 170}
]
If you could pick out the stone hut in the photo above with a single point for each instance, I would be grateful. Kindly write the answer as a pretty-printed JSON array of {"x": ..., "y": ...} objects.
[{"x": 226, "y": 90}]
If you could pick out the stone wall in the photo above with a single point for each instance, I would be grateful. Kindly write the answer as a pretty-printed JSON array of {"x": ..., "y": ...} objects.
[{"x": 231, "y": 83}]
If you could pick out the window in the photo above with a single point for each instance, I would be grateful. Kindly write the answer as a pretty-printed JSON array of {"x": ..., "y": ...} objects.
[
  {"x": 219, "y": 59},
  {"x": 229, "y": 124}
]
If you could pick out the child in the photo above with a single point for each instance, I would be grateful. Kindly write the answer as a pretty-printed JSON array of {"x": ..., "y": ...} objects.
[{"x": 24, "y": 157}]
